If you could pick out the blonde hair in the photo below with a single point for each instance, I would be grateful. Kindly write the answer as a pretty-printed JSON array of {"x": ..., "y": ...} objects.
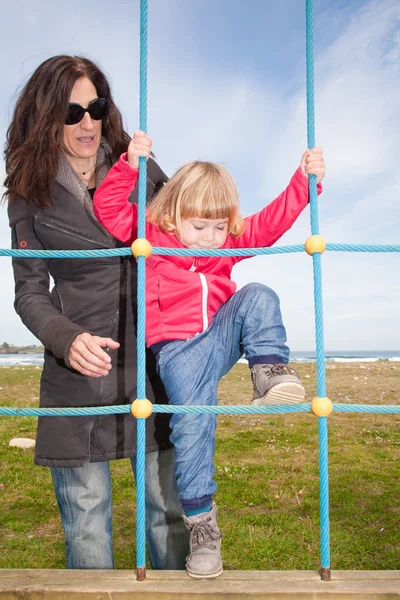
[{"x": 201, "y": 190}]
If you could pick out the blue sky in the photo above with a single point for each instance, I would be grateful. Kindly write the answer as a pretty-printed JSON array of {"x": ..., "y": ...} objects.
[{"x": 227, "y": 83}]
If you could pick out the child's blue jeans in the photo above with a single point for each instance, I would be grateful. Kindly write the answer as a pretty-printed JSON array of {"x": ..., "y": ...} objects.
[{"x": 250, "y": 322}]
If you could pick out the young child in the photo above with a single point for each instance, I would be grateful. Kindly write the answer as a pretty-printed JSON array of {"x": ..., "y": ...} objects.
[{"x": 197, "y": 324}]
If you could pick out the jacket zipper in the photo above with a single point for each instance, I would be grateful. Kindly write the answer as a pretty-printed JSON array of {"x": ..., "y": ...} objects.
[
  {"x": 79, "y": 237},
  {"x": 204, "y": 299},
  {"x": 194, "y": 265},
  {"x": 125, "y": 260},
  {"x": 204, "y": 293}
]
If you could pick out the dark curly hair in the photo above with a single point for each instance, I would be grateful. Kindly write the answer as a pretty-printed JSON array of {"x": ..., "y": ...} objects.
[{"x": 35, "y": 135}]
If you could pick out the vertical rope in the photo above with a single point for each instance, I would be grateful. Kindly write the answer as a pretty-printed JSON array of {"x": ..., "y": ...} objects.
[
  {"x": 324, "y": 493},
  {"x": 142, "y": 117},
  {"x": 311, "y": 111},
  {"x": 319, "y": 329},
  {"x": 141, "y": 299},
  {"x": 319, "y": 326}
]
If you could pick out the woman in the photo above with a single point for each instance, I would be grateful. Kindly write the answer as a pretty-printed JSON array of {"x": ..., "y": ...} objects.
[{"x": 65, "y": 134}]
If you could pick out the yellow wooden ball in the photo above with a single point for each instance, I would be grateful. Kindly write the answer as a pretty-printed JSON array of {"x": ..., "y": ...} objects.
[
  {"x": 315, "y": 243},
  {"x": 141, "y": 409},
  {"x": 321, "y": 407},
  {"x": 141, "y": 247}
]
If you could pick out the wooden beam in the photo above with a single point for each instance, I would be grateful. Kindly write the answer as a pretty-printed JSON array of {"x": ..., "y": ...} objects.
[{"x": 175, "y": 585}]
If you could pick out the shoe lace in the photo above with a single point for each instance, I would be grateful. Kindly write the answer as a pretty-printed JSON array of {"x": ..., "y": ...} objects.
[
  {"x": 203, "y": 534},
  {"x": 279, "y": 369}
]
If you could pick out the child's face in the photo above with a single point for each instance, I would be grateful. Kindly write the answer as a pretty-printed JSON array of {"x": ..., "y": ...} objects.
[{"x": 203, "y": 233}]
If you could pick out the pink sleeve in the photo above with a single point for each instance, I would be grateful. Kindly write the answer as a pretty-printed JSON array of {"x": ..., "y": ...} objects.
[
  {"x": 267, "y": 226},
  {"x": 111, "y": 201}
]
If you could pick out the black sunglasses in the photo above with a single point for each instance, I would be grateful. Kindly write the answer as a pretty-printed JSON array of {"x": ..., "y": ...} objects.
[{"x": 96, "y": 109}]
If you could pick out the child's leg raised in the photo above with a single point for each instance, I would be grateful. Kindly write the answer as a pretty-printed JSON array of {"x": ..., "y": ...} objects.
[{"x": 252, "y": 320}]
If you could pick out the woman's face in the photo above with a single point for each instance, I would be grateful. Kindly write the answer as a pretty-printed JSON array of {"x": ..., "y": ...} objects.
[{"x": 83, "y": 139}]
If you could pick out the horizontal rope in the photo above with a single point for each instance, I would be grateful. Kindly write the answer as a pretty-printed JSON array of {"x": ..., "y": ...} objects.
[
  {"x": 217, "y": 410},
  {"x": 190, "y": 252},
  {"x": 66, "y": 411},
  {"x": 157, "y": 408},
  {"x": 155, "y": 250},
  {"x": 232, "y": 410},
  {"x": 361, "y": 248},
  {"x": 365, "y": 408},
  {"x": 228, "y": 252},
  {"x": 67, "y": 253}
]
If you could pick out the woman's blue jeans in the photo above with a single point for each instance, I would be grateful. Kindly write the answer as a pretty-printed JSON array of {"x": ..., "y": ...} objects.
[
  {"x": 85, "y": 504},
  {"x": 250, "y": 322}
]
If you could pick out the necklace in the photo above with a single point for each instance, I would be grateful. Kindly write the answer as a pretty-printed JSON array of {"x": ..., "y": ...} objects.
[{"x": 85, "y": 172}]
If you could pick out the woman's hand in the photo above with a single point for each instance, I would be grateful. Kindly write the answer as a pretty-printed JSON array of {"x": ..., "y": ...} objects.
[
  {"x": 87, "y": 356},
  {"x": 312, "y": 163},
  {"x": 140, "y": 145}
]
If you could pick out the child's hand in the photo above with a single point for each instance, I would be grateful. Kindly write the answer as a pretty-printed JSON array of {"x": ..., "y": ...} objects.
[
  {"x": 312, "y": 163},
  {"x": 140, "y": 145}
]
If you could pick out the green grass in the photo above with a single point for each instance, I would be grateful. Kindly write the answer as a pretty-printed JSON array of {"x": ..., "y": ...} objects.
[{"x": 267, "y": 474}]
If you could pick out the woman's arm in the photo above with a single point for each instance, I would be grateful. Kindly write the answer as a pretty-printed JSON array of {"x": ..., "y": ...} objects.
[
  {"x": 34, "y": 304},
  {"x": 33, "y": 301}
]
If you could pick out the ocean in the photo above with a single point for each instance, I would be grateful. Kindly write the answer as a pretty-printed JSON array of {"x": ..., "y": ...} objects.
[
  {"x": 346, "y": 356},
  {"x": 340, "y": 356},
  {"x": 21, "y": 360}
]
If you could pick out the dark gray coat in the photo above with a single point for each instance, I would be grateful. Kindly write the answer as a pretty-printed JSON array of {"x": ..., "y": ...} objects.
[{"x": 95, "y": 295}]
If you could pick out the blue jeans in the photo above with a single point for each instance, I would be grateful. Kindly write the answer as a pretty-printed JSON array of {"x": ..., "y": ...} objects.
[
  {"x": 85, "y": 504},
  {"x": 250, "y": 322}
]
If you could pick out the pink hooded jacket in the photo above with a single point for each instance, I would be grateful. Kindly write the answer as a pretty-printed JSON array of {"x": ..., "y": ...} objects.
[{"x": 183, "y": 293}]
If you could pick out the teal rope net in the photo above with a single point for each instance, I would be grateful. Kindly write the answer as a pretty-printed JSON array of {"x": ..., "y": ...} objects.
[
  {"x": 118, "y": 409},
  {"x": 187, "y": 252},
  {"x": 233, "y": 410}
]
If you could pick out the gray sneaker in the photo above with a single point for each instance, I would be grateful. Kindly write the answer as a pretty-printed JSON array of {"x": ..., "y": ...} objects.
[
  {"x": 204, "y": 560},
  {"x": 276, "y": 384}
]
